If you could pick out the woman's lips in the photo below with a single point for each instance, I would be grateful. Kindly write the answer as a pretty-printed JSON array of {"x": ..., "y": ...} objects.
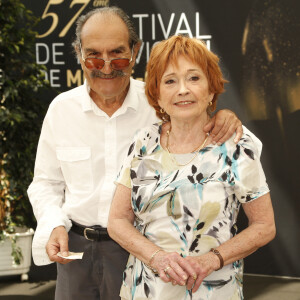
[{"x": 184, "y": 103}]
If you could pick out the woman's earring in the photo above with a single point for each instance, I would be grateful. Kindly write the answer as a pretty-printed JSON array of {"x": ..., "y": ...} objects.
[
  {"x": 210, "y": 103},
  {"x": 162, "y": 111}
]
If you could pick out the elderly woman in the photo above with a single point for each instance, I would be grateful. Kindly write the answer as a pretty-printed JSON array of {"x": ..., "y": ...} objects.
[{"x": 178, "y": 195}]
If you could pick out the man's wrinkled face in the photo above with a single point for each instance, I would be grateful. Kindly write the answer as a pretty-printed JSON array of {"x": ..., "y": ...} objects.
[{"x": 106, "y": 37}]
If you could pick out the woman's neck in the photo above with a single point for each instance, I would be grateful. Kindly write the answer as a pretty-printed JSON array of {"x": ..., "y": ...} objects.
[{"x": 184, "y": 137}]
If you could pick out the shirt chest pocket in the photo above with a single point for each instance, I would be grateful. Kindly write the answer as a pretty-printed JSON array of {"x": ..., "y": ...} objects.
[{"x": 76, "y": 166}]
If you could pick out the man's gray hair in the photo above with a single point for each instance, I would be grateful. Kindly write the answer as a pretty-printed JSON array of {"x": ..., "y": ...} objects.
[{"x": 114, "y": 10}]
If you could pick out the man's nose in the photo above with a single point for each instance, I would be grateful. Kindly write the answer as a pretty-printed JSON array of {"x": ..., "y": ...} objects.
[{"x": 107, "y": 69}]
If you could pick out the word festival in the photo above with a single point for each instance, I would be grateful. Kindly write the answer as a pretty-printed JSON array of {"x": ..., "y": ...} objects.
[{"x": 63, "y": 68}]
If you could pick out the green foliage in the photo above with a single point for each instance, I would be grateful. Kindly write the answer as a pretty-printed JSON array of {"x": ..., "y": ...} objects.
[
  {"x": 16, "y": 251},
  {"x": 21, "y": 112}
]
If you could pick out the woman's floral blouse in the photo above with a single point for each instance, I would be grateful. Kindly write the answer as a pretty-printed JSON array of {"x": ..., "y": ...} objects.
[{"x": 188, "y": 209}]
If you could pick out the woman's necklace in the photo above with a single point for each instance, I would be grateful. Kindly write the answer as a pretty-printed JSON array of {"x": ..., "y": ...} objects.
[{"x": 196, "y": 150}]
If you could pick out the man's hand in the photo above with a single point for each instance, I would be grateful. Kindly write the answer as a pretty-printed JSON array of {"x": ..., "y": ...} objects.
[
  {"x": 58, "y": 242},
  {"x": 222, "y": 126}
]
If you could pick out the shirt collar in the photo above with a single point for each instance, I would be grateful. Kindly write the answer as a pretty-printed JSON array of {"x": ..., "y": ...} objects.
[{"x": 132, "y": 99}]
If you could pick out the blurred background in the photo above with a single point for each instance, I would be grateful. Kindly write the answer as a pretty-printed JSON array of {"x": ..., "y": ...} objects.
[{"x": 258, "y": 43}]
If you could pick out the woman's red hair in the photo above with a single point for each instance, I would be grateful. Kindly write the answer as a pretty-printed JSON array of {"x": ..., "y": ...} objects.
[{"x": 168, "y": 51}]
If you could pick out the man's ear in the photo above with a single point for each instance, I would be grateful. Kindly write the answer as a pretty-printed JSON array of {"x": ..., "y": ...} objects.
[
  {"x": 136, "y": 49},
  {"x": 78, "y": 54},
  {"x": 77, "y": 51}
]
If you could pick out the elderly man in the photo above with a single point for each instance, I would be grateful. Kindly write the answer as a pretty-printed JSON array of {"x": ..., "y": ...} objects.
[{"x": 84, "y": 138}]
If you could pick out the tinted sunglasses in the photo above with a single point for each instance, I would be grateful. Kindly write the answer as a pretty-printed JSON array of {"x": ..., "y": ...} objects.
[{"x": 97, "y": 63}]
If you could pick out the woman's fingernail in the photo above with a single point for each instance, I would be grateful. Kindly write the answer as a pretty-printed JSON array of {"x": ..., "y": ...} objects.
[{"x": 184, "y": 277}]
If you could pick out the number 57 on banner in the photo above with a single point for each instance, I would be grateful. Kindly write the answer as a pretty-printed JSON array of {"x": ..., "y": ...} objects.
[{"x": 55, "y": 17}]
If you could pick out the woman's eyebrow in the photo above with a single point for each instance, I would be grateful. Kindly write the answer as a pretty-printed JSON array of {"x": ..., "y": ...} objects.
[
  {"x": 169, "y": 74},
  {"x": 173, "y": 73}
]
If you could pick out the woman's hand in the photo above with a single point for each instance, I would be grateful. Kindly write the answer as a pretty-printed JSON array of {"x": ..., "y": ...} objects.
[
  {"x": 203, "y": 266},
  {"x": 172, "y": 267}
]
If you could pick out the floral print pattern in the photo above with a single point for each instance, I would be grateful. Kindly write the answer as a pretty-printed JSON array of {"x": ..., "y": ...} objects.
[{"x": 188, "y": 209}]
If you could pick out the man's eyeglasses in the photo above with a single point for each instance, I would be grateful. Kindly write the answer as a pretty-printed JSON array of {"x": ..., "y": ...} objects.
[{"x": 117, "y": 64}]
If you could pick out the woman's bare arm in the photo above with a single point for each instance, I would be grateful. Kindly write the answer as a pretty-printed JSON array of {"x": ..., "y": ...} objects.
[
  {"x": 121, "y": 229},
  {"x": 260, "y": 231}
]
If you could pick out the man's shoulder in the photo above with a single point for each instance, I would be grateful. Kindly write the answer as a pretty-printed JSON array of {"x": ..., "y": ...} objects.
[
  {"x": 138, "y": 85},
  {"x": 73, "y": 95}
]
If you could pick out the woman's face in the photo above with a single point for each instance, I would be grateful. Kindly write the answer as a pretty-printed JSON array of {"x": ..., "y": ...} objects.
[{"x": 184, "y": 93}]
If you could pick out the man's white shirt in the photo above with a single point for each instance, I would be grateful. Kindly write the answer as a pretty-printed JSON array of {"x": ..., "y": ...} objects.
[{"x": 80, "y": 152}]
